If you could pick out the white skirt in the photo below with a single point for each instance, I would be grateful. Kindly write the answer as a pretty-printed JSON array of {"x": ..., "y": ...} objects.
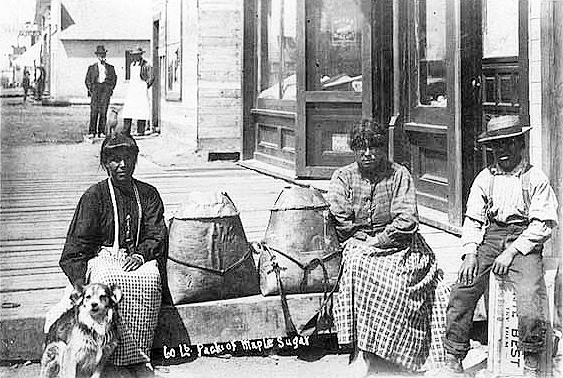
[{"x": 137, "y": 104}]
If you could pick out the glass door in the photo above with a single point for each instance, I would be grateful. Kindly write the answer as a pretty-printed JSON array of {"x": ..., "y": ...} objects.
[
  {"x": 432, "y": 110},
  {"x": 331, "y": 86}
]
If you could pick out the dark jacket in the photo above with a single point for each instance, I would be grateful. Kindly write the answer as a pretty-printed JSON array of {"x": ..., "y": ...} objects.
[
  {"x": 92, "y": 77},
  {"x": 146, "y": 73},
  {"x": 92, "y": 227}
]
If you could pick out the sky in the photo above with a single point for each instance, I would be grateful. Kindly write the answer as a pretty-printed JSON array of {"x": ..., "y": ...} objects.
[{"x": 13, "y": 15}]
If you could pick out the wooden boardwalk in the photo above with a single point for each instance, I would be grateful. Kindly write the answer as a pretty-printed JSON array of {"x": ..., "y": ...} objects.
[
  {"x": 36, "y": 209},
  {"x": 36, "y": 212}
]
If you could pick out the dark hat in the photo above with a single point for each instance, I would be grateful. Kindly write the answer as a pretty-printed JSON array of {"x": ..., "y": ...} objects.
[
  {"x": 118, "y": 141},
  {"x": 138, "y": 50},
  {"x": 506, "y": 126},
  {"x": 100, "y": 50}
]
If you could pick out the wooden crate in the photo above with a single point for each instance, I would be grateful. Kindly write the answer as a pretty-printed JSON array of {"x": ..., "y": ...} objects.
[{"x": 504, "y": 357}]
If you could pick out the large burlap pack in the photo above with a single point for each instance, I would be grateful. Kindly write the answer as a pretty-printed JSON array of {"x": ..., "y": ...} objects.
[
  {"x": 300, "y": 243},
  {"x": 209, "y": 257}
]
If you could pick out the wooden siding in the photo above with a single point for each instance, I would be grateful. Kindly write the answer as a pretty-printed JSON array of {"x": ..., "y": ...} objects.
[{"x": 220, "y": 34}]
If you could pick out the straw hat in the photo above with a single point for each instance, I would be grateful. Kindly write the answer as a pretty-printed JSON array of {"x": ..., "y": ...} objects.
[{"x": 506, "y": 126}]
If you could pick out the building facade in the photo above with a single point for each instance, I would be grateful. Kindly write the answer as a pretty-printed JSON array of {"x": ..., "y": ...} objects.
[
  {"x": 433, "y": 71},
  {"x": 285, "y": 80},
  {"x": 70, "y": 32}
]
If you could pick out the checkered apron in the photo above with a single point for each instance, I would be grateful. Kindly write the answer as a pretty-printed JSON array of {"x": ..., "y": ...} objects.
[
  {"x": 142, "y": 291},
  {"x": 138, "y": 310},
  {"x": 391, "y": 303}
]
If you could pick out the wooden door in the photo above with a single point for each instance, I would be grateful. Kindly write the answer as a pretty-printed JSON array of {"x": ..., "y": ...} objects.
[
  {"x": 432, "y": 114},
  {"x": 494, "y": 73},
  {"x": 335, "y": 40},
  {"x": 504, "y": 83}
]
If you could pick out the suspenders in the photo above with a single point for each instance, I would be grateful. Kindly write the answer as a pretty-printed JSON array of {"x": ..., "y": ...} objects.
[{"x": 525, "y": 181}]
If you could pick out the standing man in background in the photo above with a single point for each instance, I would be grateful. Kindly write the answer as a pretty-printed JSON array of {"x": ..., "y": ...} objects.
[
  {"x": 26, "y": 84},
  {"x": 100, "y": 82},
  {"x": 39, "y": 82}
]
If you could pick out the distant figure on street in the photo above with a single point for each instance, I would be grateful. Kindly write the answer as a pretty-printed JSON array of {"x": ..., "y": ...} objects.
[
  {"x": 511, "y": 212},
  {"x": 100, "y": 82},
  {"x": 26, "y": 84},
  {"x": 39, "y": 82},
  {"x": 137, "y": 104}
]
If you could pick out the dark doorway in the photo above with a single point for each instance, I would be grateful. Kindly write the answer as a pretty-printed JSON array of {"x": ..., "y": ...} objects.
[{"x": 156, "y": 71}]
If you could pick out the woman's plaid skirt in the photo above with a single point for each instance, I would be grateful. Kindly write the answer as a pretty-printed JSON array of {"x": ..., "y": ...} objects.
[
  {"x": 138, "y": 309},
  {"x": 392, "y": 303}
]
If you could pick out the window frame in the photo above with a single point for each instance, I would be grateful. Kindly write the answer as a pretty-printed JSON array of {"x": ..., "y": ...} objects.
[{"x": 278, "y": 104}]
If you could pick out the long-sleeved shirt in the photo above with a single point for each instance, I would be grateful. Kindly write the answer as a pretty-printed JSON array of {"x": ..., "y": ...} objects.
[
  {"x": 93, "y": 226},
  {"x": 383, "y": 207},
  {"x": 509, "y": 206}
]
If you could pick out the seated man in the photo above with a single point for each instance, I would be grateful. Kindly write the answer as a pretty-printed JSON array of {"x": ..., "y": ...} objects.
[{"x": 515, "y": 206}]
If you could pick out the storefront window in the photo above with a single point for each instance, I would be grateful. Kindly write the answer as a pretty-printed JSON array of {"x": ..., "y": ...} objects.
[
  {"x": 500, "y": 39},
  {"x": 431, "y": 38},
  {"x": 278, "y": 51},
  {"x": 334, "y": 45}
]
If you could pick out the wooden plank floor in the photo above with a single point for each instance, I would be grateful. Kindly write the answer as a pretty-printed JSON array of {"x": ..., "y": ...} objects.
[{"x": 36, "y": 212}]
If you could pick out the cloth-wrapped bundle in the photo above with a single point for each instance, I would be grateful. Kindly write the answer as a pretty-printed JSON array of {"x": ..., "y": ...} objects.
[
  {"x": 209, "y": 256},
  {"x": 300, "y": 243}
]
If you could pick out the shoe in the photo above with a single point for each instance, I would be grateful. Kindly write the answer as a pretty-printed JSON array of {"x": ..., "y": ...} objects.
[
  {"x": 90, "y": 135},
  {"x": 102, "y": 135},
  {"x": 141, "y": 370},
  {"x": 453, "y": 365},
  {"x": 531, "y": 365}
]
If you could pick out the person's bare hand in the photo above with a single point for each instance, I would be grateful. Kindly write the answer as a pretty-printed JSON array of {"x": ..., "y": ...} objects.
[
  {"x": 468, "y": 270},
  {"x": 132, "y": 263},
  {"x": 503, "y": 261}
]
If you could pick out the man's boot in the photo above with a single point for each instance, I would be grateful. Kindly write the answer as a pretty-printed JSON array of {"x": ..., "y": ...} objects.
[
  {"x": 453, "y": 364},
  {"x": 531, "y": 365}
]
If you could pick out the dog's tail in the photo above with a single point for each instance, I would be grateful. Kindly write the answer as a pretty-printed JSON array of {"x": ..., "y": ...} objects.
[{"x": 51, "y": 361}]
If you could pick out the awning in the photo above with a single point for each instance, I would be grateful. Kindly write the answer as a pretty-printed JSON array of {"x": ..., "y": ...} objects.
[{"x": 30, "y": 58}]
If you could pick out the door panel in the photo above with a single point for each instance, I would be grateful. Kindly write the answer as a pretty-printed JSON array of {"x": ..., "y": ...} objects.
[
  {"x": 428, "y": 157},
  {"x": 503, "y": 62},
  {"x": 433, "y": 135},
  {"x": 501, "y": 80},
  {"x": 275, "y": 138},
  {"x": 494, "y": 73},
  {"x": 327, "y": 137}
]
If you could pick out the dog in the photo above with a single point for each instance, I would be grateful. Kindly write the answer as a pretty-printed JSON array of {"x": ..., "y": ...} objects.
[{"x": 79, "y": 343}]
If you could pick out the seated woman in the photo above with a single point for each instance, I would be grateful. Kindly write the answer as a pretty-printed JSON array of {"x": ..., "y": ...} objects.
[
  {"x": 118, "y": 236},
  {"x": 386, "y": 294}
]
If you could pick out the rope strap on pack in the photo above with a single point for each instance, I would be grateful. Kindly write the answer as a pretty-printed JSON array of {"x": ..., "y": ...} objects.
[{"x": 219, "y": 272}]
